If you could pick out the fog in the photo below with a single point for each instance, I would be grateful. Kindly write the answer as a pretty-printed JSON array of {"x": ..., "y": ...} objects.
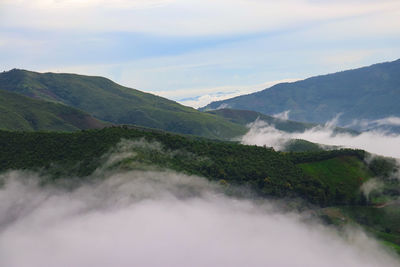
[
  {"x": 283, "y": 115},
  {"x": 391, "y": 121},
  {"x": 378, "y": 142},
  {"x": 150, "y": 218},
  {"x": 371, "y": 185}
]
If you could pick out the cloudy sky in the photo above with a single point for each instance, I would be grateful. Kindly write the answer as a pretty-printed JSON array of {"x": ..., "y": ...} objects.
[{"x": 183, "y": 49}]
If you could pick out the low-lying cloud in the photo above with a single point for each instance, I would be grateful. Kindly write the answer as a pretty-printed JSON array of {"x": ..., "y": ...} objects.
[
  {"x": 148, "y": 218},
  {"x": 377, "y": 142},
  {"x": 283, "y": 115},
  {"x": 373, "y": 124},
  {"x": 371, "y": 185}
]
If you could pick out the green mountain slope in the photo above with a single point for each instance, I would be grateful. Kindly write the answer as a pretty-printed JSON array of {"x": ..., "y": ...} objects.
[
  {"x": 268, "y": 172},
  {"x": 331, "y": 179},
  {"x": 366, "y": 93},
  {"x": 111, "y": 102},
  {"x": 18, "y": 112}
]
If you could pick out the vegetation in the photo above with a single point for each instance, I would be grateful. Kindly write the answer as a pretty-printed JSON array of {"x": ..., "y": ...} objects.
[
  {"x": 299, "y": 145},
  {"x": 366, "y": 93},
  {"x": 381, "y": 215},
  {"x": 114, "y": 103},
  {"x": 382, "y": 222},
  {"x": 18, "y": 112},
  {"x": 330, "y": 179},
  {"x": 269, "y": 173},
  {"x": 343, "y": 175}
]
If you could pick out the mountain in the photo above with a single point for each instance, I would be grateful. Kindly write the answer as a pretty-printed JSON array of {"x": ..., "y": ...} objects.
[
  {"x": 369, "y": 93},
  {"x": 108, "y": 101},
  {"x": 18, "y": 112}
]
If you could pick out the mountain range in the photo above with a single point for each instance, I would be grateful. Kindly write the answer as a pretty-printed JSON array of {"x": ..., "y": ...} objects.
[
  {"x": 369, "y": 93},
  {"x": 246, "y": 117},
  {"x": 69, "y": 102}
]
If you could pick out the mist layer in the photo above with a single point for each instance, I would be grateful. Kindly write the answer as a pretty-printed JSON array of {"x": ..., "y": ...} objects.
[
  {"x": 145, "y": 218},
  {"x": 377, "y": 142}
]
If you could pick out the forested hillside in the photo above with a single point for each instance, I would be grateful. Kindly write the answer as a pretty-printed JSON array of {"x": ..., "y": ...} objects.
[
  {"x": 117, "y": 104},
  {"x": 328, "y": 179},
  {"x": 268, "y": 172},
  {"x": 18, "y": 112}
]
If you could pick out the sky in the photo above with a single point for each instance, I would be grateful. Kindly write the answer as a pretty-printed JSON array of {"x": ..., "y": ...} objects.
[{"x": 197, "y": 51}]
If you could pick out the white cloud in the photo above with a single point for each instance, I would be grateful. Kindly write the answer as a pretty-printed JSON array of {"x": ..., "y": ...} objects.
[
  {"x": 372, "y": 185},
  {"x": 164, "y": 219},
  {"x": 374, "y": 141},
  {"x": 283, "y": 115},
  {"x": 395, "y": 121},
  {"x": 69, "y": 4},
  {"x": 187, "y": 17},
  {"x": 372, "y": 124}
]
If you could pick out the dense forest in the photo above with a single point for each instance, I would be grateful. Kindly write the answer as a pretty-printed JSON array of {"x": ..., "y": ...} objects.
[{"x": 267, "y": 172}]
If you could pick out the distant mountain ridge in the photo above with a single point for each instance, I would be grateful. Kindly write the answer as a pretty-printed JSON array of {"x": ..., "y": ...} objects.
[
  {"x": 18, "y": 112},
  {"x": 110, "y": 102},
  {"x": 244, "y": 117},
  {"x": 368, "y": 93}
]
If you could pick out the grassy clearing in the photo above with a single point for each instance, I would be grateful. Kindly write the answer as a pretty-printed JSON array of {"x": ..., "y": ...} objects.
[
  {"x": 342, "y": 175},
  {"x": 18, "y": 112}
]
